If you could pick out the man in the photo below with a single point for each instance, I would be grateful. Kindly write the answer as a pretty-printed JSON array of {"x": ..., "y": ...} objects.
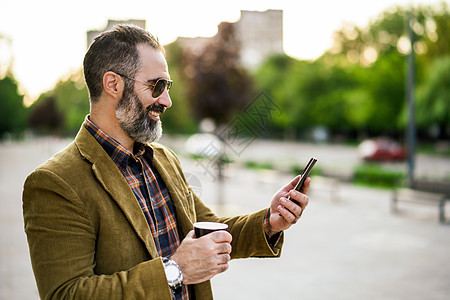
[{"x": 109, "y": 216}]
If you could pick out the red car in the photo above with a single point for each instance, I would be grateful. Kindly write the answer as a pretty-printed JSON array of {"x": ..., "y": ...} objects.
[{"x": 381, "y": 149}]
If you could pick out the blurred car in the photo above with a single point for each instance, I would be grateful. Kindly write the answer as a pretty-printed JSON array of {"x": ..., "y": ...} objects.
[{"x": 381, "y": 149}]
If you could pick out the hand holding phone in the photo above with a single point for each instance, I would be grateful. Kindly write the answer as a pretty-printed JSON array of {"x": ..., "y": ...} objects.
[
  {"x": 304, "y": 175},
  {"x": 289, "y": 218}
]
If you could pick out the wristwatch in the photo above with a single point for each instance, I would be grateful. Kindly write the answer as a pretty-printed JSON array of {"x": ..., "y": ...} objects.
[{"x": 173, "y": 274}]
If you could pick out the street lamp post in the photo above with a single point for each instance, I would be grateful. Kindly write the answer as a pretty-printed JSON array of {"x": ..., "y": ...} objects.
[{"x": 411, "y": 130}]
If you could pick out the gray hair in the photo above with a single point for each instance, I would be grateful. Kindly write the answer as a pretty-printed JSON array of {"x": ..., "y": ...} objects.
[{"x": 116, "y": 51}]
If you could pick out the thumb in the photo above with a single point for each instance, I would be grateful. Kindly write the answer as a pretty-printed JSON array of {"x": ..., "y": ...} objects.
[
  {"x": 190, "y": 235},
  {"x": 291, "y": 185}
]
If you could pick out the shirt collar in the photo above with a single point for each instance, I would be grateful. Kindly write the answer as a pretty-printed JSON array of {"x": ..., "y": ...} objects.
[{"x": 119, "y": 154}]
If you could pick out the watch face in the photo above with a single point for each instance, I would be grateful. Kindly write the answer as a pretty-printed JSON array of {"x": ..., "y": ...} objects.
[{"x": 172, "y": 272}]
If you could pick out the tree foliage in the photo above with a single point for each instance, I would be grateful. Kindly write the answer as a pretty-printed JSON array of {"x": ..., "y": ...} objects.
[
  {"x": 12, "y": 109},
  {"x": 63, "y": 109},
  {"x": 433, "y": 97},
  {"x": 358, "y": 86},
  {"x": 177, "y": 119},
  {"x": 45, "y": 116},
  {"x": 216, "y": 85}
]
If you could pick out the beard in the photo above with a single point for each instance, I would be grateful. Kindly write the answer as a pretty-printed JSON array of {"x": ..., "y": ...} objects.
[{"x": 134, "y": 118}]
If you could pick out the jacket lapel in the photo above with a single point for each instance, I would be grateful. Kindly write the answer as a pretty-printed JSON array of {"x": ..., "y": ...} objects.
[{"x": 117, "y": 187}]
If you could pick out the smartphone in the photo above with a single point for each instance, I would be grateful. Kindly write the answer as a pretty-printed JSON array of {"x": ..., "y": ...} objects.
[{"x": 304, "y": 175}]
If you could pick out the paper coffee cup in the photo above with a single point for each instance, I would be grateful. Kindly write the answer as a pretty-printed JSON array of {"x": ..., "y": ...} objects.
[{"x": 202, "y": 228}]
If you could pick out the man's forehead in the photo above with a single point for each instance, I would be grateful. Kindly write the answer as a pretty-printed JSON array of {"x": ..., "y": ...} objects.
[
  {"x": 151, "y": 59},
  {"x": 150, "y": 53}
]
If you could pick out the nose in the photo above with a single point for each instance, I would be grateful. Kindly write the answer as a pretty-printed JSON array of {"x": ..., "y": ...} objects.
[{"x": 164, "y": 99}]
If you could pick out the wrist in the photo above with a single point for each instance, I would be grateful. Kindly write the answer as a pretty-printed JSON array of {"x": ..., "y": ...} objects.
[
  {"x": 267, "y": 226},
  {"x": 272, "y": 237}
]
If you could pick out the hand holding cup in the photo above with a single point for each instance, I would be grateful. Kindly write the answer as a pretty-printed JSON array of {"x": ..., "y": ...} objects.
[{"x": 200, "y": 259}]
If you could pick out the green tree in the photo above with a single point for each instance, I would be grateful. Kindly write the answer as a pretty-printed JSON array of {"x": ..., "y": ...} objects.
[
  {"x": 72, "y": 99},
  {"x": 272, "y": 77},
  {"x": 436, "y": 31},
  {"x": 433, "y": 98},
  {"x": 178, "y": 118},
  {"x": 68, "y": 104},
  {"x": 376, "y": 55},
  {"x": 384, "y": 82},
  {"x": 387, "y": 34},
  {"x": 310, "y": 94},
  {"x": 45, "y": 117},
  {"x": 12, "y": 109}
]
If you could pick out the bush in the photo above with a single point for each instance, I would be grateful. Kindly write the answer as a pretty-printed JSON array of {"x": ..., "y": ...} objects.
[
  {"x": 259, "y": 165},
  {"x": 375, "y": 175}
]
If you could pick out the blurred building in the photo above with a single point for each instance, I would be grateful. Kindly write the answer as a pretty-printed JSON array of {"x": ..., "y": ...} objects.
[
  {"x": 260, "y": 35},
  {"x": 92, "y": 34}
]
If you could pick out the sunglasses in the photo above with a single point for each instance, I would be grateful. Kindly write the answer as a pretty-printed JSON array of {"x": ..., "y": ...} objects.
[{"x": 157, "y": 88}]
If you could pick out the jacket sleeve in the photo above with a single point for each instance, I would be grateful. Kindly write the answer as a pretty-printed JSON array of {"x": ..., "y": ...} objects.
[
  {"x": 62, "y": 242},
  {"x": 249, "y": 239}
]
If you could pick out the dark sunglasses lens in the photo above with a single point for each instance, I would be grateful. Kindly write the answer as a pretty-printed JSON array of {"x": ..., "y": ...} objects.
[{"x": 159, "y": 88}]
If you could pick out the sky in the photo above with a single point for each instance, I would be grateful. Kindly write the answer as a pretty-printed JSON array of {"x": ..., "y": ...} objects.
[{"x": 48, "y": 37}]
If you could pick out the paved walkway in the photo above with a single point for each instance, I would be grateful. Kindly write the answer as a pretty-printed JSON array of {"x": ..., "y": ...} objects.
[{"x": 347, "y": 246}]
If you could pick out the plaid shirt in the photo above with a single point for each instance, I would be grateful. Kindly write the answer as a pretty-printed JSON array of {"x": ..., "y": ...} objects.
[{"x": 149, "y": 189}]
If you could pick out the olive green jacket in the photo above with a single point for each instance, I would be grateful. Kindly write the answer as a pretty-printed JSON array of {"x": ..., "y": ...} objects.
[{"x": 89, "y": 239}]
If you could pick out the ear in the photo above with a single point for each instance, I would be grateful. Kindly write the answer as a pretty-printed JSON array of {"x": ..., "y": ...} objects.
[{"x": 113, "y": 84}]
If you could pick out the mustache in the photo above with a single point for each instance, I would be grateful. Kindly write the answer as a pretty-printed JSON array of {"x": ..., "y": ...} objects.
[{"x": 159, "y": 108}]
